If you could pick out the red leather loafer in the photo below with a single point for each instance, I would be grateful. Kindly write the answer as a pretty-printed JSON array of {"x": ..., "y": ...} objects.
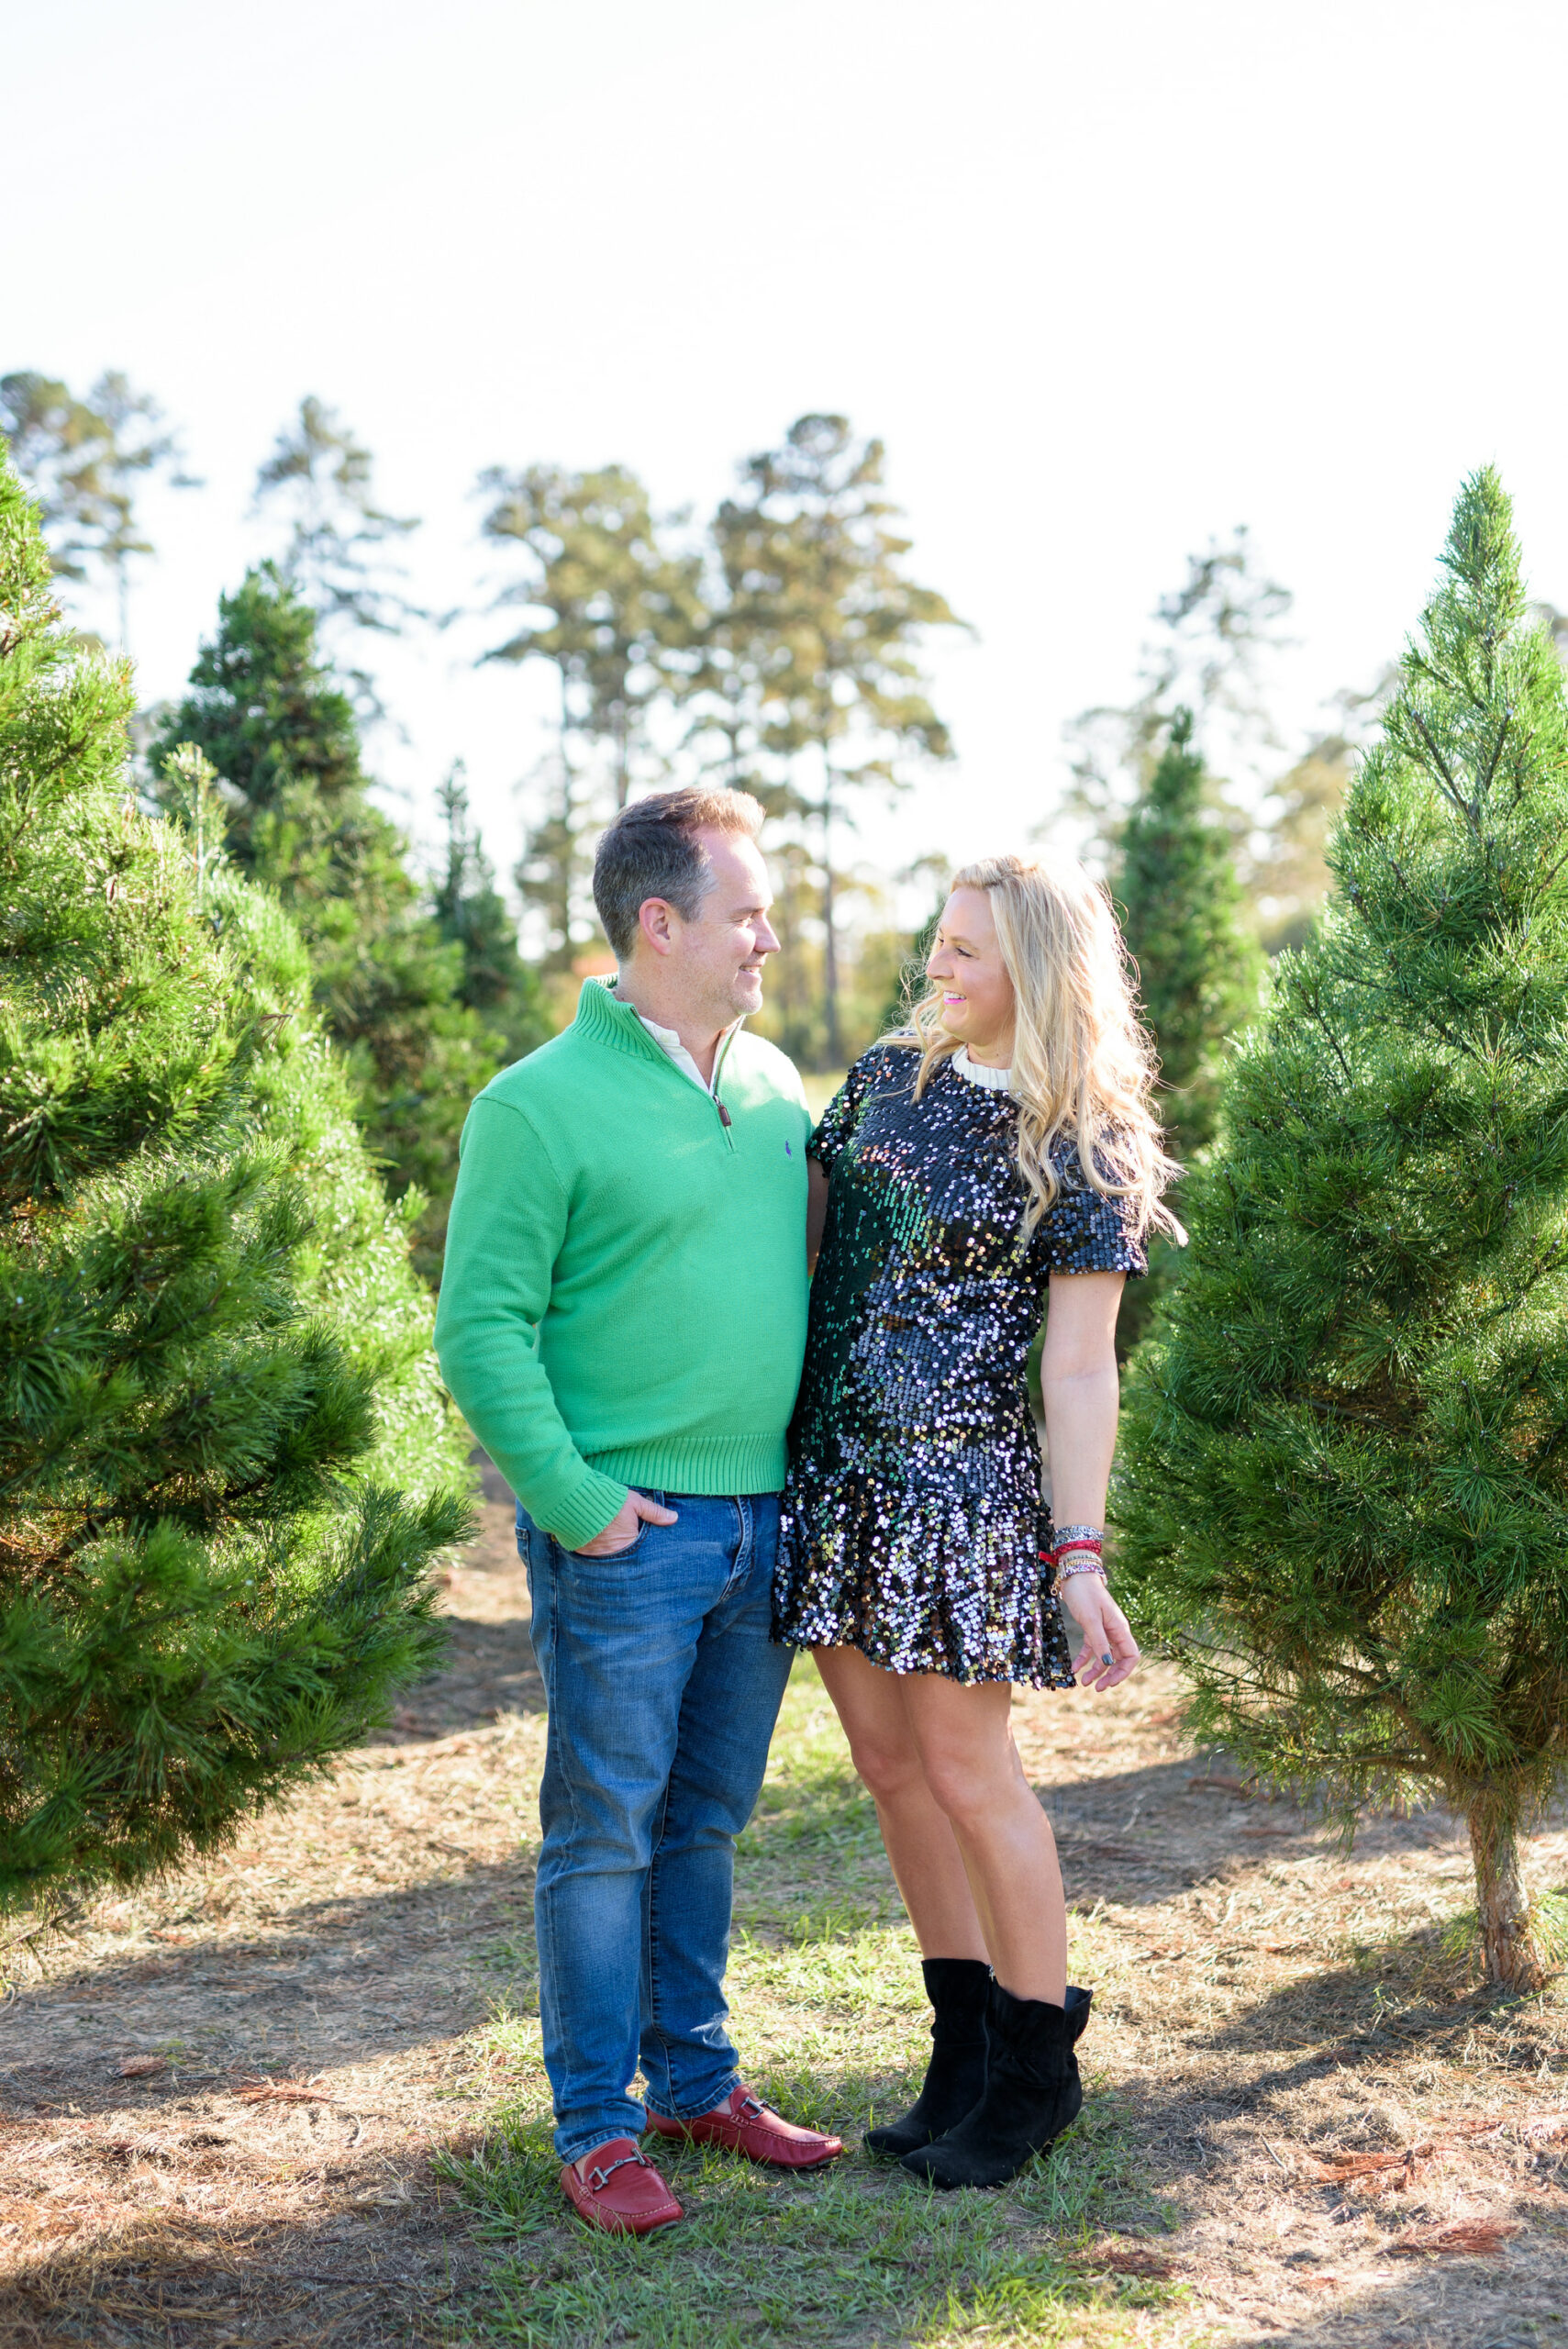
[
  {"x": 748, "y": 2126},
  {"x": 620, "y": 2190}
]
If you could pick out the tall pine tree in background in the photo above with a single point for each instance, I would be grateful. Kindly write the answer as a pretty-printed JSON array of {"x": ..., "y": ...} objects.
[
  {"x": 214, "y": 1357},
  {"x": 1344, "y": 1496},
  {"x": 339, "y": 555},
  {"x": 269, "y": 714},
  {"x": 613, "y": 613},
  {"x": 85, "y": 461},
  {"x": 470, "y": 914},
  {"x": 821, "y": 621},
  {"x": 1187, "y": 929}
]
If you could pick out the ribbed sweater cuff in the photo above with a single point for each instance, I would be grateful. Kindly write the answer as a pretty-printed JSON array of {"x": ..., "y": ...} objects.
[{"x": 583, "y": 1512}]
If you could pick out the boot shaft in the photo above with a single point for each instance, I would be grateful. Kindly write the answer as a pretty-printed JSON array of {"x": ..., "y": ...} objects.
[
  {"x": 960, "y": 1991},
  {"x": 1032, "y": 2040}
]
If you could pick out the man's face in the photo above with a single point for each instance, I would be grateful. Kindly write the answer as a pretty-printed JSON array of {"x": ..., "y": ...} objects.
[{"x": 716, "y": 960}]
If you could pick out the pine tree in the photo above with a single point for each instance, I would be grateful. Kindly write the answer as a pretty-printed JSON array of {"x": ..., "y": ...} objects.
[
  {"x": 820, "y": 625},
  {"x": 613, "y": 613},
  {"x": 1216, "y": 634},
  {"x": 1344, "y": 1502},
  {"x": 619, "y": 605},
  {"x": 270, "y": 715},
  {"x": 338, "y": 556},
  {"x": 470, "y": 915},
  {"x": 1199, "y": 968},
  {"x": 85, "y": 461},
  {"x": 1184, "y": 921},
  {"x": 214, "y": 1357}
]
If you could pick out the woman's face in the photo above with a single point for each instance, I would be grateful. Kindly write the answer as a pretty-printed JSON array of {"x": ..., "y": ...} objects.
[{"x": 966, "y": 962}]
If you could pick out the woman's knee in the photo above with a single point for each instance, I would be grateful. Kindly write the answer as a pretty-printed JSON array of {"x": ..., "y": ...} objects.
[
  {"x": 886, "y": 1768},
  {"x": 970, "y": 1783}
]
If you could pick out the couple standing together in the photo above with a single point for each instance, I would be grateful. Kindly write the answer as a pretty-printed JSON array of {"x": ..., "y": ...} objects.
[{"x": 625, "y": 1313}]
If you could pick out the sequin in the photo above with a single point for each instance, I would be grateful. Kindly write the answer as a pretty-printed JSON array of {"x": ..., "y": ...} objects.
[{"x": 913, "y": 1522}]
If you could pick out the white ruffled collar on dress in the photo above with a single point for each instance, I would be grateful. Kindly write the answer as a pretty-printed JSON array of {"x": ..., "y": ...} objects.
[{"x": 990, "y": 1080}]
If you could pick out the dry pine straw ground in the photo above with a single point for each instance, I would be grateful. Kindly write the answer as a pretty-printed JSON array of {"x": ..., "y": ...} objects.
[{"x": 293, "y": 2096}]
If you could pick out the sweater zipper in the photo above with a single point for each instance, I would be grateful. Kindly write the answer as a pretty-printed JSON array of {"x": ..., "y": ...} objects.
[{"x": 723, "y": 1117}]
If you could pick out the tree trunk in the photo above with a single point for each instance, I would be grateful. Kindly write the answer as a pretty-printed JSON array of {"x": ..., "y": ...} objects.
[{"x": 1508, "y": 1948}]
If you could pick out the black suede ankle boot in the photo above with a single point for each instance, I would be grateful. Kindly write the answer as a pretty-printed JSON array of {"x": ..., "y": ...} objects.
[
  {"x": 1032, "y": 2092},
  {"x": 957, "y": 1989}
]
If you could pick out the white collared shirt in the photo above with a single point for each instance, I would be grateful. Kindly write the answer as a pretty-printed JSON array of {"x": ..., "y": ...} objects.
[{"x": 668, "y": 1040}]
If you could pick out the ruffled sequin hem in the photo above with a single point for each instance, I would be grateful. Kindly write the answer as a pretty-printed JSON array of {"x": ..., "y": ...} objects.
[{"x": 918, "y": 1580}]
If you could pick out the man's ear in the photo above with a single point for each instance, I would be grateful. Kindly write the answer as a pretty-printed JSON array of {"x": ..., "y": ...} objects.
[{"x": 656, "y": 919}]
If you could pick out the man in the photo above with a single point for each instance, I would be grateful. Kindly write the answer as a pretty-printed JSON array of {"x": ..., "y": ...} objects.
[{"x": 622, "y": 1320}]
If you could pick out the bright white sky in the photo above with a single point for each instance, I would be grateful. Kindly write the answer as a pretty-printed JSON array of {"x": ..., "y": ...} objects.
[{"x": 1107, "y": 280}]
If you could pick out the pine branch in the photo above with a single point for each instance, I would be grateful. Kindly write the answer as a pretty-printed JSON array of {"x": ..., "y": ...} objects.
[{"x": 1448, "y": 785}]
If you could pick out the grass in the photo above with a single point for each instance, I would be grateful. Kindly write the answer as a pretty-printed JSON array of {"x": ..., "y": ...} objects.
[
  {"x": 856, "y": 2255},
  {"x": 1461, "y": 1937},
  {"x": 826, "y": 1986},
  {"x": 1267, "y": 2006}
]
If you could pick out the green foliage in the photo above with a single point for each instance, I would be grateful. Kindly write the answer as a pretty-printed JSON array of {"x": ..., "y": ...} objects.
[
  {"x": 472, "y": 916},
  {"x": 1187, "y": 929},
  {"x": 810, "y": 655},
  {"x": 84, "y": 460},
  {"x": 388, "y": 982},
  {"x": 791, "y": 644},
  {"x": 1345, "y": 1493},
  {"x": 618, "y": 613},
  {"x": 1186, "y": 926},
  {"x": 214, "y": 1357},
  {"x": 1215, "y": 634},
  {"x": 337, "y": 557}
]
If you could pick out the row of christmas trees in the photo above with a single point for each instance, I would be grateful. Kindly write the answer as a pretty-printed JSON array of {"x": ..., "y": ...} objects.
[{"x": 225, "y": 1461}]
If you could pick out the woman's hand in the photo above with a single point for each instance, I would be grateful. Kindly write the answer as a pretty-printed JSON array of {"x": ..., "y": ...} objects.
[{"x": 1109, "y": 1651}]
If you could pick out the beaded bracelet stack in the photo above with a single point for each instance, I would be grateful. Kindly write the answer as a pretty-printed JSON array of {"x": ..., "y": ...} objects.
[{"x": 1079, "y": 1550}]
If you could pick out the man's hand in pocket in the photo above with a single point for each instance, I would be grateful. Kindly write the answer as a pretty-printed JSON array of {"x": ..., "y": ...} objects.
[{"x": 626, "y": 1525}]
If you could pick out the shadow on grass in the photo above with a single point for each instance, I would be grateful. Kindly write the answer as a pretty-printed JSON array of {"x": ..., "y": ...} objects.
[
  {"x": 862, "y": 2253},
  {"x": 1411, "y": 1991}
]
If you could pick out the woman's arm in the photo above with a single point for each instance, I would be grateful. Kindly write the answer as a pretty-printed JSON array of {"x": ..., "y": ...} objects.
[
  {"x": 817, "y": 1179},
  {"x": 1081, "y": 1392}
]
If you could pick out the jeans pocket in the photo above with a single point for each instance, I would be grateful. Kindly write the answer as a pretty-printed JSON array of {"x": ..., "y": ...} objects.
[{"x": 634, "y": 1549}]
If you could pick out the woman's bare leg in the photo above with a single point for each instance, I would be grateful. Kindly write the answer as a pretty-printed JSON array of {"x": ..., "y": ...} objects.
[
  {"x": 927, "y": 1866},
  {"x": 973, "y": 1775}
]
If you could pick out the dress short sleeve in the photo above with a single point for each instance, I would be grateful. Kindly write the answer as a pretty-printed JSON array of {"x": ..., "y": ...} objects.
[
  {"x": 1084, "y": 1231},
  {"x": 838, "y": 1120}
]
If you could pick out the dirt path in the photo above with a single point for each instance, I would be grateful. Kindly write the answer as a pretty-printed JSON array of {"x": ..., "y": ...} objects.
[
  {"x": 224, "y": 2108},
  {"x": 350, "y": 1944}
]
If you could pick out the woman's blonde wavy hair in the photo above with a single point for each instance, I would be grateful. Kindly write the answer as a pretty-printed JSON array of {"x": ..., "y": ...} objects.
[{"x": 1083, "y": 1067}]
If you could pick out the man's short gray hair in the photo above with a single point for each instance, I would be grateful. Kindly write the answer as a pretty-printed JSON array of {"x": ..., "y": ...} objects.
[{"x": 652, "y": 851}]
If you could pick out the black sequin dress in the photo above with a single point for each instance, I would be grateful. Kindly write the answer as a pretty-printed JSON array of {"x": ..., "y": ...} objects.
[{"x": 913, "y": 1522}]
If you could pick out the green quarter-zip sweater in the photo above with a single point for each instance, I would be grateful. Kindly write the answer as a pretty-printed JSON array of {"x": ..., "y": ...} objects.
[{"x": 623, "y": 1300}]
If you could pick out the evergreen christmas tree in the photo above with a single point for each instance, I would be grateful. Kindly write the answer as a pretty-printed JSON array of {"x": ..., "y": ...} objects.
[
  {"x": 1198, "y": 962},
  {"x": 280, "y": 731},
  {"x": 225, "y": 1461},
  {"x": 1344, "y": 1498},
  {"x": 470, "y": 914}
]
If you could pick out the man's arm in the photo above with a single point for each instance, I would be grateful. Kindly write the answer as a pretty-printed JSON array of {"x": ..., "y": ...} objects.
[{"x": 509, "y": 1219}]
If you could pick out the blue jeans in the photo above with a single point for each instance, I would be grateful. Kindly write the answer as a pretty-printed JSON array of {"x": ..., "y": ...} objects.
[{"x": 663, "y": 1686}]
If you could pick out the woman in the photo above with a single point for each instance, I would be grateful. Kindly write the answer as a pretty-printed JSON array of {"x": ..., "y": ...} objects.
[{"x": 1002, "y": 1148}]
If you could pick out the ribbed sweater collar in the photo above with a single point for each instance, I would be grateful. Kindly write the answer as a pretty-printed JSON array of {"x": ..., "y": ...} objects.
[
  {"x": 604, "y": 1021},
  {"x": 607, "y": 1020}
]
